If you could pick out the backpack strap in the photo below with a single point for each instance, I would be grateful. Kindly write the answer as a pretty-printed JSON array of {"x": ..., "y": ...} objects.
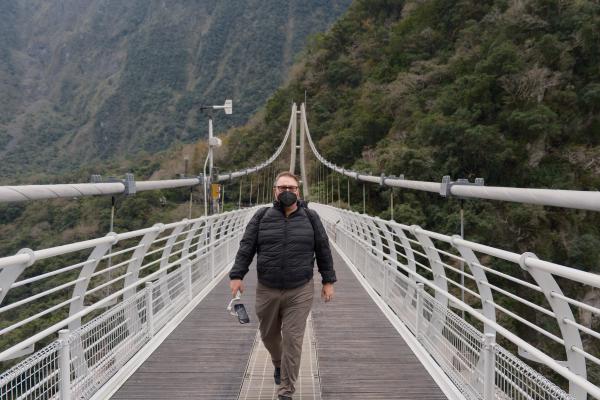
[
  {"x": 311, "y": 218},
  {"x": 261, "y": 213}
]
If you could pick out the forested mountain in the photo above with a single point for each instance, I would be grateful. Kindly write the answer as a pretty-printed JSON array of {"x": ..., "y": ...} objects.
[
  {"x": 84, "y": 80},
  {"x": 504, "y": 90}
]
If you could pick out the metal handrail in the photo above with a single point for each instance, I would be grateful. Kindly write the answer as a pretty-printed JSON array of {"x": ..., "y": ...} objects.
[
  {"x": 73, "y": 190},
  {"x": 15, "y": 266},
  {"x": 386, "y": 255},
  {"x": 576, "y": 199}
]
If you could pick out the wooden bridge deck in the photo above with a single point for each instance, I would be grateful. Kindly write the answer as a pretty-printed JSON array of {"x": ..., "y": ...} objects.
[{"x": 360, "y": 354}]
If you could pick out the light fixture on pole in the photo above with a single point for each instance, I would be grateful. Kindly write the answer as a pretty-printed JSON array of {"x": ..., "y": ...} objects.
[{"x": 212, "y": 142}]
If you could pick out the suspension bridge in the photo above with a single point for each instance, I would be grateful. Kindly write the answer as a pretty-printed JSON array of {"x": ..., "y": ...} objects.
[{"x": 417, "y": 314}]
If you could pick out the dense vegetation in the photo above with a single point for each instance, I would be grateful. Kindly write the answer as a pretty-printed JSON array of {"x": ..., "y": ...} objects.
[
  {"x": 504, "y": 90},
  {"x": 83, "y": 82}
]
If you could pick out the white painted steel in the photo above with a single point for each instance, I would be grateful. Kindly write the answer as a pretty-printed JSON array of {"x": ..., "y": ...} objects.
[
  {"x": 456, "y": 344},
  {"x": 576, "y": 199},
  {"x": 293, "y": 141},
  {"x": 38, "y": 192},
  {"x": 247, "y": 171},
  {"x": 128, "y": 279},
  {"x": 303, "y": 173},
  {"x": 97, "y": 349},
  {"x": 41, "y": 192}
]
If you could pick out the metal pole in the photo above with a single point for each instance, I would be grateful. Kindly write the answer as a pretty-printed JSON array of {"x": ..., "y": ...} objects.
[
  {"x": 191, "y": 200},
  {"x": 391, "y": 204},
  {"x": 293, "y": 141},
  {"x": 303, "y": 174},
  {"x": 240, "y": 198},
  {"x": 64, "y": 362},
  {"x": 113, "y": 202},
  {"x": 258, "y": 190},
  {"x": 462, "y": 264},
  {"x": 364, "y": 200},
  {"x": 250, "y": 191},
  {"x": 348, "y": 180},
  {"x": 265, "y": 183},
  {"x": 204, "y": 181},
  {"x": 418, "y": 322},
  {"x": 332, "y": 189},
  {"x": 318, "y": 172},
  {"x": 212, "y": 249},
  {"x": 339, "y": 195},
  {"x": 149, "y": 309},
  {"x": 210, "y": 158},
  {"x": 188, "y": 280},
  {"x": 326, "y": 187},
  {"x": 489, "y": 366},
  {"x": 222, "y": 205}
]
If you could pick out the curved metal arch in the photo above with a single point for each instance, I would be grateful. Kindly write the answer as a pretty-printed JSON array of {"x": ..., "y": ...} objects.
[
  {"x": 133, "y": 268},
  {"x": 487, "y": 297},
  {"x": 393, "y": 254},
  {"x": 9, "y": 274},
  {"x": 410, "y": 264},
  {"x": 376, "y": 237},
  {"x": 165, "y": 295},
  {"x": 200, "y": 240},
  {"x": 570, "y": 334},
  {"x": 352, "y": 229},
  {"x": 408, "y": 251},
  {"x": 86, "y": 273},
  {"x": 229, "y": 230},
  {"x": 435, "y": 262},
  {"x": 438, "y": 317},
  {"x": 79, "y": 296},
  {"x": 187, "y": 244},
  {"x": 385, "y": 228},
  {"x": 293, "y": 139},
  {"x": 219, "y": 224},
  {"x": 359, "y": 231},
  {"x": 378, "y": 270}
]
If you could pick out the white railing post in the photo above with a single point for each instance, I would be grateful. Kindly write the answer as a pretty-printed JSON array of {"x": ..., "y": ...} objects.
[
  {"x": 489, "y": 366},
  {"x": 386, "y": 267},
  {"x": 187, "y": 276},
  {"x": 64, "y": 365},
  {"x": 418, "y": 322},
  {"x": 150, "y": 308},
  {"x": 212, "y": 249}
]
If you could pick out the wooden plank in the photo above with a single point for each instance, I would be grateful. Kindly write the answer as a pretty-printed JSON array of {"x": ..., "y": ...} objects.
[
  {"x": 206, "y": 355},
  {"x": 361, "y": 355}
]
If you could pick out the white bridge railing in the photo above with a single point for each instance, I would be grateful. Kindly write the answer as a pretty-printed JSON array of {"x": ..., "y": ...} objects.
[
  {"x": 105, "y": 298},
  {"x": 510, "y": 299}
]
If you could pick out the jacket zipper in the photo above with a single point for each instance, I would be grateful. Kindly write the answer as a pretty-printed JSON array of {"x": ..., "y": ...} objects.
[{"x": 285, "y": 235}]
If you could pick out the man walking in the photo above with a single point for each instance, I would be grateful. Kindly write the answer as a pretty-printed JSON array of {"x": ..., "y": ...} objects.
[{"x": 286, "y": 237}]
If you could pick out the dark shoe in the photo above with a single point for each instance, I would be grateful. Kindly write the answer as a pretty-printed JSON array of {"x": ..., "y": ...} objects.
[
  {"x": 277, "y": 376},
  {"x": 281, "y": 397}
]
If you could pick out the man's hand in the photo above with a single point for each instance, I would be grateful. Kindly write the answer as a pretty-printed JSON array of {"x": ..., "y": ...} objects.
[
  {"x": 235, "y": 285},
  {"x": 327, "y": 292}
]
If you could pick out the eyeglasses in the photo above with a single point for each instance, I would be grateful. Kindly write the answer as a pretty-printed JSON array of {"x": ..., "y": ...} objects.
[{"x": 288, "y": 188}]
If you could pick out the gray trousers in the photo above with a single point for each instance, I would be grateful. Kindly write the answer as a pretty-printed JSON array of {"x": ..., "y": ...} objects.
[{"x": 282, "y": 315}]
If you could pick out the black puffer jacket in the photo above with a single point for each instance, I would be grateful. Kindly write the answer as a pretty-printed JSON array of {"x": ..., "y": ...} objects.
[{"x": 286, "y": 248}]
